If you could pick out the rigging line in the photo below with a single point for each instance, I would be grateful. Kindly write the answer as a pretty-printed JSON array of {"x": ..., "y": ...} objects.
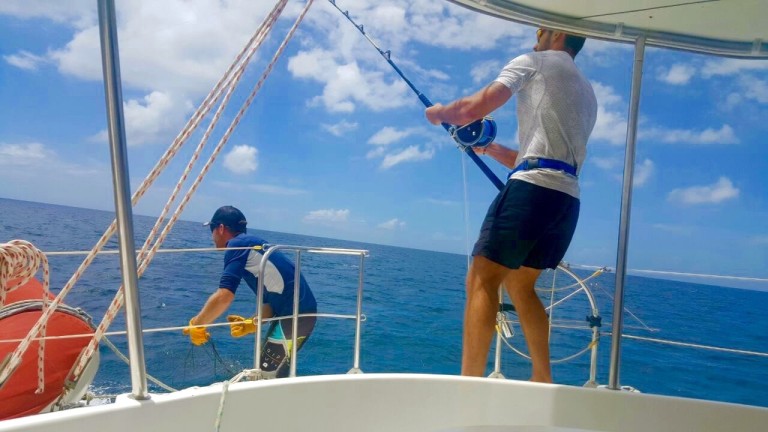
[
  {"x": 117, "y": 302},
  {"x": 692, "y": 345},
  {"x": 177, "y": 328},
  {"x": 671, "y": 273},
  {"x": 387, "y": 55},
  {"x": 627, "y": 310},
  {"x": 125, "y": 359},
  {"x": 741, "y": 278},
  {"x": 115, "y": 252},
  {"x": 648, "y": 9},
  {"x": 138, "y": 194}
]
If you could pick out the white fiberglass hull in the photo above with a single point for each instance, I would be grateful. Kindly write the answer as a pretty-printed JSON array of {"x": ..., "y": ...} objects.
[{"x": 400, "y": 402}]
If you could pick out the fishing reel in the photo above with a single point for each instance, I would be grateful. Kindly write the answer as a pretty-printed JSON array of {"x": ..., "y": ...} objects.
[{"x": 479, "y": 133}]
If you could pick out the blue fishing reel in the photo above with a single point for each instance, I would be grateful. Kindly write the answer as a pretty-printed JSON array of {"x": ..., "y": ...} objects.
[{"x": 479, "y": 133}]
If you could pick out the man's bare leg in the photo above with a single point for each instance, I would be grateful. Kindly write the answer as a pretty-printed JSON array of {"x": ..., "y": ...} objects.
[
  {"x": 533, "y": 319},
  {"x": 483, "y": 282}
]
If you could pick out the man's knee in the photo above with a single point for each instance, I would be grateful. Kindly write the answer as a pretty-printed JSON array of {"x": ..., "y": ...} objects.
[{"x": 485, "y": 276}]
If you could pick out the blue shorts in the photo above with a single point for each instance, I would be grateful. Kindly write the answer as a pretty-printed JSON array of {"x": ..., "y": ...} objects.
[{"x": 528, "y": 225}]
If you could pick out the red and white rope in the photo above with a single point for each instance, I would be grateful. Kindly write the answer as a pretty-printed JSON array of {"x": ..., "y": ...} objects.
[
  {"x": 21, "y": 260},
  {"x": 162, "y": 163},
  {"x": 146, "y": 256}
]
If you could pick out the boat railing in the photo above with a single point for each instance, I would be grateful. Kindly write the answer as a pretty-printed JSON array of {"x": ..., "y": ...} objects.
[
  {"x": 569, "y": 290},
  {"x": 256, "y": 373}
]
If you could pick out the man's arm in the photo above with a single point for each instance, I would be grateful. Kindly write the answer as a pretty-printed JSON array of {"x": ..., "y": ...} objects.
[
  {"x": 470, "y": 108},
  {"x": 217, "y": 303},
  {"x": 504, "y": 155}
]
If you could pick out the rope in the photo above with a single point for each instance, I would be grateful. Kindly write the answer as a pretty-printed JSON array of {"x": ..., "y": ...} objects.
[
  {"x": 119, "y": 297},
  {"x": 146, "y": 183},
  {"x": 219, "y": 415},
  {"x": 127, "y": 361},
  {"x": 20, "y": 259},
  {"x": 692, "y": 345},
  {"x": 179, "y": 328}
]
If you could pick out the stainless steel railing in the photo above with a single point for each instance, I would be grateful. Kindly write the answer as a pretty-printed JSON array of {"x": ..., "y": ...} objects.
[{"x": 268, "y": 251}]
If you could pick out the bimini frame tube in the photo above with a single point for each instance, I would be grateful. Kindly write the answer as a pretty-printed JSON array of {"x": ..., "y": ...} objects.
[
  {"x": 120, "y": 180},
  {"x": 626, "y": 208}
]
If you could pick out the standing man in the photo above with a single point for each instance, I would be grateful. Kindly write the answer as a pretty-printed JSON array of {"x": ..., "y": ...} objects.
[
  {"x": 228, "y": 230},
  {"x": 531, "y": 222}
]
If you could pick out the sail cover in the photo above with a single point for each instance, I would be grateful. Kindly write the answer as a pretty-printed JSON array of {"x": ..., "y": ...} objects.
[{"x": 730, "y": 28}]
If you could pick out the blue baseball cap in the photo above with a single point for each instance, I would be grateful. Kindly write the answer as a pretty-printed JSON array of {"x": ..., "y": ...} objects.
[{"x": 230, "y": 217}]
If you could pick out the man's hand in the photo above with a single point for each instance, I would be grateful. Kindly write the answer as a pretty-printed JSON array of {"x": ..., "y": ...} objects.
[
  {"x": 433, "y": 112},
  {"x": 198, "y": 335},
  {"x": 240, "y": 326}
]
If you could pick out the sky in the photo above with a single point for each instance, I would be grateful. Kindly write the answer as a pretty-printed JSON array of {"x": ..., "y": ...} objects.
[{"x": 336, "y": 145}]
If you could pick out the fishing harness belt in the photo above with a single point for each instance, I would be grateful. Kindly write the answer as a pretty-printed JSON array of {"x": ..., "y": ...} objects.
[{"x": 536, "y": 163}]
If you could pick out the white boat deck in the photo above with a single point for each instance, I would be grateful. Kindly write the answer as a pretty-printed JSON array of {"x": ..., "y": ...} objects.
[{"x": 403, "y": 403}]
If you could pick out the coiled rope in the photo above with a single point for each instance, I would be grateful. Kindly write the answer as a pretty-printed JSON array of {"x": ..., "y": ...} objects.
[{"x": 21, "y": 260}]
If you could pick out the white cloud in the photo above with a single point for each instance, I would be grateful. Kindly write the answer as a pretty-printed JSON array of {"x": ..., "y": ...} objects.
[
  {"x": 173, "y": 52},
  {"x": 346, "y": 85},
  {"x": 611, "y": 124},
  {"x": 606, "y": 163},
  {"x": 643, "y": 173},
  {"x": 410, "y": 154},
  {"x": 353, "y": 74},
  {"x": 392, "y": 224},
  {"x": 377, "y": 152},
  {"x": 731, "y": 67},
  {"x": 716, "y": 193},
  {"x": 76, "y": 12},
  {"x": 24, "y": 154},
  {"x": 242, "y": 159},
  {"x": 388, "y": 135},
  {"x": 677, "y": 74},
  {"x": 755, "y": 89},
  {"x": 724, "y": 135},
  {"x": 25, "y": 60},
  {"x": 485, "y": 71},
  {"x": 327, "y": 216},
  {"x": 155, "y": 119},
  {"x": 340, "y": 128}
]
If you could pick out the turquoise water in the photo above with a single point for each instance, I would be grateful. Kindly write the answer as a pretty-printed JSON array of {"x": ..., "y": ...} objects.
[{"x": 413, "y": 303}]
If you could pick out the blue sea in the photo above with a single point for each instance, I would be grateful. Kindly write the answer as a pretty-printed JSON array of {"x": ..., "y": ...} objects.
[{"x": 413, "y": 304}]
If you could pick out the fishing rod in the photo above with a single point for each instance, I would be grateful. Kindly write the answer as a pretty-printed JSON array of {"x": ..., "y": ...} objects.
[{"x": 479, "y": 133}]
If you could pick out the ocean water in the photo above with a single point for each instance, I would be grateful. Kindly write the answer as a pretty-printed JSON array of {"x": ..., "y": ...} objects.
[{"x": 413, "y": 304}]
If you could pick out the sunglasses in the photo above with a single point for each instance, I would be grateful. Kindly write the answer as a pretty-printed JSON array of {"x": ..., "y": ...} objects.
[
  {"x": 539, "y": 32},
  {"x": 213, "y": 226}
]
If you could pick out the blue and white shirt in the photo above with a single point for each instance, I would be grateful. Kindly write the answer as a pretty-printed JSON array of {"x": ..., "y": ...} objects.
[{"x": 278, "y": 276}]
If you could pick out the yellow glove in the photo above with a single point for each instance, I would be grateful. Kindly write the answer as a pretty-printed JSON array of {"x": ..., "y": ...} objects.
[
  {"x": 198, "y": 335},
  {"x": 240, "y": 326}
]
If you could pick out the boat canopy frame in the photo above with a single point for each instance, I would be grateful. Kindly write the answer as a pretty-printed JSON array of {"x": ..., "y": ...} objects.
[{"x": 664, "y": 24}]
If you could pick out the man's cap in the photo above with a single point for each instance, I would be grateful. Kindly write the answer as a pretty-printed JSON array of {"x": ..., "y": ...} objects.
[{"x": 230, "y": 217}]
